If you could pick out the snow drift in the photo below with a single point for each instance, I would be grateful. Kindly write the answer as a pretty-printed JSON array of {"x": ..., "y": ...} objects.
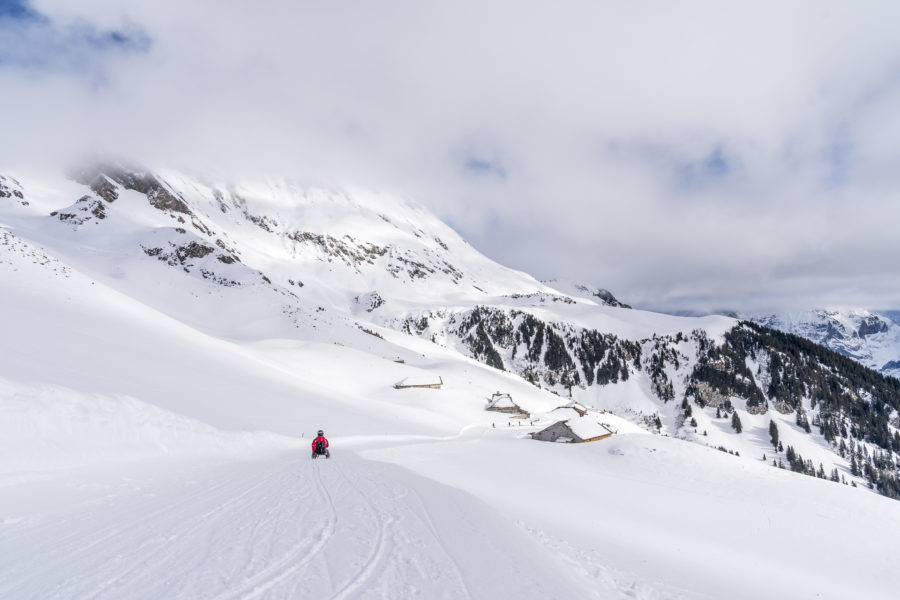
[{"x": 51, "y": 427}]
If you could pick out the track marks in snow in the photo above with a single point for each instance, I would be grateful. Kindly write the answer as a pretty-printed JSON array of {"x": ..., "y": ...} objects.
[
  {"x": 142, "y": 545},
  {"x": 368, "y": 569},
  {"x": 295, "y": 561},
  {"x": 159, "y": 548},
  {"x": 288, "y": 527}
]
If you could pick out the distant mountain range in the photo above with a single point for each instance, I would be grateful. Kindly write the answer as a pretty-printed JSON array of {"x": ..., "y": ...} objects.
[{"x": 867, "y": 336}]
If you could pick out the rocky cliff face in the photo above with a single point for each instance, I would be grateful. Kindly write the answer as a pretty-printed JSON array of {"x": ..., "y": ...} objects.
[{"x": 11, "y": 191}]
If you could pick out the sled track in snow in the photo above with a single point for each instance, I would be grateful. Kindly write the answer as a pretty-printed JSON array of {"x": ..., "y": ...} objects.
[
  {"x": 161, "y": 549},
  {"x": 106, "y": 533},
  {"x": 426, "y": 520},
  {"x": 378, "y": 551},
  {"x": 277, "y": 528},
  {"x": 303, "y": 553},
  {"x": 129, "y": 542}
]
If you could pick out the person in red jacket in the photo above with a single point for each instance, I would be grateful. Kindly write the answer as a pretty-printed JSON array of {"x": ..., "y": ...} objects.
[{"x": 320, "y": 445}]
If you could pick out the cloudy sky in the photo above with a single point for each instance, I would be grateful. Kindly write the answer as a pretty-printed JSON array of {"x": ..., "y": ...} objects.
[{"x": 682, "y": 154}]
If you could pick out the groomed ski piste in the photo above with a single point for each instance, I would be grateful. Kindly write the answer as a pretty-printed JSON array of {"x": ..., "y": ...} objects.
[
  {"x": 266, "y": 524},
  {"x": 155, "y": 443}
]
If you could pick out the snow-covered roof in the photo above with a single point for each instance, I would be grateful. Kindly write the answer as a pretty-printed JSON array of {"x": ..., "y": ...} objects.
[
  {"x": 499, "y": 400},
  {"x": 588, "y": 427},
  {"x": 564, "y": 413},
  {"x": 419, "y": 382}
]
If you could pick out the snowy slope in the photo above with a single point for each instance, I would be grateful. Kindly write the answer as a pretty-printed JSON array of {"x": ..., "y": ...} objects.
[
  {"x": 282, "y": 527},
  {"x": 51, "y": 428},
  {"x": 645, "y": 516},
  {"x": 169, "y": 344}
]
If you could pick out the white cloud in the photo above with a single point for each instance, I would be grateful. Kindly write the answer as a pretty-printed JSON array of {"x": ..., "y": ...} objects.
[{"x": 677, "y": 153}]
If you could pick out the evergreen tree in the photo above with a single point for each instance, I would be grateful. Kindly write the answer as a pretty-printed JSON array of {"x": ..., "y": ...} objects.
[
  {"x": 803, "y": 422},
  {"x": 736, "y": 422},
  {"x": 773, "y": 433}
]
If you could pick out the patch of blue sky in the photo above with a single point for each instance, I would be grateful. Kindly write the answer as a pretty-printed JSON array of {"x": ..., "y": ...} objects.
[
  {"x": 714, "y": 167},
  {"x": 134, "y": 41},
  {"x": 837, "y": 157},
  {"x": 18, "y": 10},
  {"x": 670, "y": 162},
  {"x": 480, "y": 167},
  {"x": 716, "y": 164},
  {"x": 31, "y": 41}
]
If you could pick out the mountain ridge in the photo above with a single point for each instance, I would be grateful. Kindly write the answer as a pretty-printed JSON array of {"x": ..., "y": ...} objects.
[
  {"x": 275, "y": 260},
  {"x": 870, "y": 337}
]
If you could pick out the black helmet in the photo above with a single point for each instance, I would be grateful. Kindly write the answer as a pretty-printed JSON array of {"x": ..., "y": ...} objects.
[{"x": 320, "y": 432}]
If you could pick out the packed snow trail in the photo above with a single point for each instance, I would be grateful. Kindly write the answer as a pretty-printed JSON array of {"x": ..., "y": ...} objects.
[{"x": 289, "y": 527}]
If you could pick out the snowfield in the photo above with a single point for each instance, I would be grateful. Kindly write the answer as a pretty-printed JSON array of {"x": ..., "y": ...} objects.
[
  {"x": 282, "y": 527},
  {"x": 705, "y": 524},
  {"x": 53, "y": 428},
  {"x": 635, "y": 516},
  {"x": 156, "y": 418}
]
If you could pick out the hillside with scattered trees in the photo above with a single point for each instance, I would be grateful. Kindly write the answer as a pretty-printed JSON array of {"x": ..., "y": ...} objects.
[{"x": 751, "y": 368}]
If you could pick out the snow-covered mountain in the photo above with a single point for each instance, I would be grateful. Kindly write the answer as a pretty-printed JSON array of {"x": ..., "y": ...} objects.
[
  {"x": 192, "y": 329},
  {"x": 872, "y": 338},
  {"x": 583, "y": 290}
]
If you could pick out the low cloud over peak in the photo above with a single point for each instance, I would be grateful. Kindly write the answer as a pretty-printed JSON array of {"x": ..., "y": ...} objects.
[{"x": 678, "y": 155}]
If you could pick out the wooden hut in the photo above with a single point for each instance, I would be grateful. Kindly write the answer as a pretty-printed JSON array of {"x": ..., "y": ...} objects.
[
  {"x": 501, "y": 402},
  {"x": 576, "y": 430},
  {"x": 411, "y": 382},
  {"x": 581, "y": 409}
]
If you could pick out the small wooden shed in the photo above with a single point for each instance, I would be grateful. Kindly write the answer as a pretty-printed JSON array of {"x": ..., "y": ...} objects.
[
  {"x": 581, "y": 409},
  {"x": 411, "y": 382},
  {"x": 501, "y": 402}
]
